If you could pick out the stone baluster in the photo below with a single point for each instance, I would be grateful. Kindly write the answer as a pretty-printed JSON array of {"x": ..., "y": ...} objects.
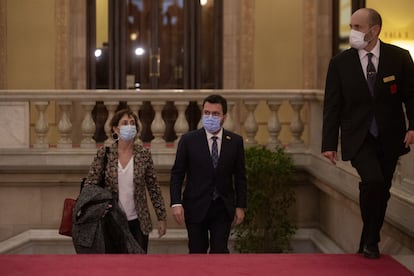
[
  {"x": 111, "y": 107},
  {"x": 273, "y": 124},
  {"x": 88, "y": 126},
  {"x": 296, "y": 125},
  {"x": 135, "y": 106},
  {"x": 158, "y": 124},
  {"x": 181, "y": 124},
  {"x": 42, "y": 126},
  {"x": 64, "y": 126},
  {"x": 200, "y": 106},
  {"x": 250, "y": 125},
  {"x": 229, "y": 124}
]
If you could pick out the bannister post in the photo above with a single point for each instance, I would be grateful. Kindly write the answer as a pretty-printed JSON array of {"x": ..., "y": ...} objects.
[
  {"x": 229, "y": 124},
  {"x": 273, "y": 125},
  {"x": 181, "y": 125},
  {"x": 88, "y": 126},
  {"x": 250, "y": 125},
  {"x": 200, "y": 106},
  {"x": 42, "y": 126},
  {"x": 111, "y": 107},
  {"x": 296, "y": 125},
  {"x": 158, "y": 124},
  {"x": 135, "y": 106},
  {"x": 64, "y": 126}
]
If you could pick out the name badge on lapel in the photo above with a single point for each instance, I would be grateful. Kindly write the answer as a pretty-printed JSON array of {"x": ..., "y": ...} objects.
[{"x": 389, "y": 78}]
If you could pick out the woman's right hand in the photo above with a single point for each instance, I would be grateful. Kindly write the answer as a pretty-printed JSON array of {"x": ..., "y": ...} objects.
[{"x": 162, "y": 228}]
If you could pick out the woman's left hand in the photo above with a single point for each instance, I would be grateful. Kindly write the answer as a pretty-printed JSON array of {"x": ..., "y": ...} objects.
[{"x": 162, "y": 228}]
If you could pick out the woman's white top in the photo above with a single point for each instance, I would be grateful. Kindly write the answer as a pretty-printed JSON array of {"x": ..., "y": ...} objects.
[{"x": 126, "y": 189}]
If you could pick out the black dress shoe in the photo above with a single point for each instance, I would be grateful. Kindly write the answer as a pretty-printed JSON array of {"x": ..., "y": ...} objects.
[{"x": 371, "y": 252}]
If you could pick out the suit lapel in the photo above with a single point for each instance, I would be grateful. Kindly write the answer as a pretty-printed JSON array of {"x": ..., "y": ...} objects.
[
  {"x": 204, "y": 145},
  {"x": 356, "y": 63},
  {"x": 226, "y": 139},
  {"x": 385, "y": 62}
]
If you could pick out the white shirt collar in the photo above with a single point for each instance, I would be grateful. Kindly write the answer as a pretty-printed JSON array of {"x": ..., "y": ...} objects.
[
  {"x": 375, "y": 51},
  {"x": 219, "y": 134}
]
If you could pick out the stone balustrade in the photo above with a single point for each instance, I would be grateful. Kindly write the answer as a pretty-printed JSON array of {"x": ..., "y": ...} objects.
[
  {"x": 47, "y": 140},
  {"x": 242, "y": 104}
]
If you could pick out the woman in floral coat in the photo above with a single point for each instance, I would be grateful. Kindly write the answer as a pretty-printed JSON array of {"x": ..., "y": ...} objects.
[{"x": 129, "y": 173}]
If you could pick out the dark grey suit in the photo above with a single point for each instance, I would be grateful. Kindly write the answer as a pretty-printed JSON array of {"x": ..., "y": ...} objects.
[
  {"x": 349, "y": 109},
  {"x": 193, "y": 162}
]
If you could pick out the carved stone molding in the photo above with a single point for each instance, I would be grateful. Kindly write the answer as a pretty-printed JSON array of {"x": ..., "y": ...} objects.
[
  {"x": 78, "y": 44},
  {"x": 309, "y": 44},
  {"x": 247, "y": 45},
  {"x": 3, "y": 44},
  {"x": 230, "y": 39},
  {"x": 238, "y": 35},
  {"x": 317, "y": 42},
  {"x": 62, "y": 68}
]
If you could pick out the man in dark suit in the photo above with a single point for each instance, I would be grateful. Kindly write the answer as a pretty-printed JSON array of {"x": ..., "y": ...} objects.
[
  {"x": 212, "y": 160},
  {"x": 366, "y": 88}
]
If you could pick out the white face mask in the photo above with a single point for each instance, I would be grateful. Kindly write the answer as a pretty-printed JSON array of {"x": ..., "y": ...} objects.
[
  {"x": 211, "y": 123},
  {"x": 127, "y": 133},
  {"x": 357, "y": 40}
]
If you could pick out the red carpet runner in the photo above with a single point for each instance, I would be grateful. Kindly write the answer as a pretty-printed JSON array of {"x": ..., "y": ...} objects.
[{"x": 235, "y": 264}]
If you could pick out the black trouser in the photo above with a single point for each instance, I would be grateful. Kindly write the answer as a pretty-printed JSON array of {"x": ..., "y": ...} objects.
[
  {"x": 135, "y": 229},
  {"x": 376, "y": 170},
  {"x": 217, "y": 224}
]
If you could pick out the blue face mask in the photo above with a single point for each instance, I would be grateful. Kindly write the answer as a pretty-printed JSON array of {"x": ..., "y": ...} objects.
[
  {"x": 211, "y": 123},
  {"x": 127, "y": 133}
]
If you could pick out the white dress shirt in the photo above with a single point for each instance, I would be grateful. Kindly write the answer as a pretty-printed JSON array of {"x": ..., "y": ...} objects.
[{"x": 363, "y": 57}]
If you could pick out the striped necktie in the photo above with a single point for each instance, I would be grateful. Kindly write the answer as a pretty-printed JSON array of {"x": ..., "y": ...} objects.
[
  {"x": 371, "y": 76},
  {"x": 214, "y": 151},
  {"x": 371, "y": 73}
]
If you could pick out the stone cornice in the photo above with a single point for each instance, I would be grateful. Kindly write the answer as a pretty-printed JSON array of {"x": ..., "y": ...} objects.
[
  {"x": 3, "y": 44},
  {"x": 62, "y": 73}
]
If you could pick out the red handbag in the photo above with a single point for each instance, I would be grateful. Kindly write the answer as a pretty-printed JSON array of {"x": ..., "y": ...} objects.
[
  {"x": 69, "y": 203},
  {"x": 66, "y": 222}
]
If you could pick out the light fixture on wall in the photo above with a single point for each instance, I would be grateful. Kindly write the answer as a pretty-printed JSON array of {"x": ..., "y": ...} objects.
[
  {"x": 98, "y": 53},
  {"x": 133, "y": 36},
  {"x": 139, "y": 51},
  {"x": 203, "y": 2}
]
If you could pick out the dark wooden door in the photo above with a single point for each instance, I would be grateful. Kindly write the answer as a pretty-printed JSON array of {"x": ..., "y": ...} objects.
[{"x": 155, "y": 44}]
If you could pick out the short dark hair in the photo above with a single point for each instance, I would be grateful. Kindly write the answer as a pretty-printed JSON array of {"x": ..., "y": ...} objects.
[
  {"x": 217, "y": 99},
  {"x": 119, "y": 114},
  {"x": 374, "y": 17}
]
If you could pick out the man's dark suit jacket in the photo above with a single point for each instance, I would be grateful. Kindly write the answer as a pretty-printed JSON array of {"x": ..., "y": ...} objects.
[
  {"x": 193, "y": 161},
  {"x": 349, "y": 106}
]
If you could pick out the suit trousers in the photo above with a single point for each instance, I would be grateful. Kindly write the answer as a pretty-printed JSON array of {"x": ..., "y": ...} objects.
[
  {"x": 376, "y": 170},
  {"x": 216, "y": 225}
]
